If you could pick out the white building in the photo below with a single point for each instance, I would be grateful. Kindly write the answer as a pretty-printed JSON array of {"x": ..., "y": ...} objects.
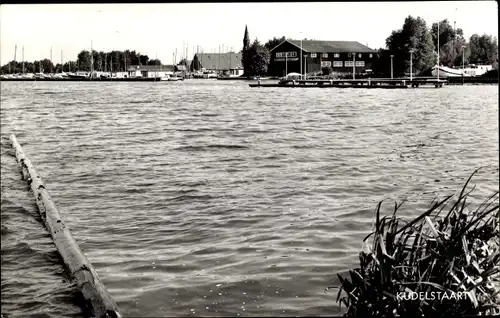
[{"x": 150, "y": 71}]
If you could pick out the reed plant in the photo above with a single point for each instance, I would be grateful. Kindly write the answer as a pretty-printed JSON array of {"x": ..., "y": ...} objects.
[{"x": 449, "y": 260}]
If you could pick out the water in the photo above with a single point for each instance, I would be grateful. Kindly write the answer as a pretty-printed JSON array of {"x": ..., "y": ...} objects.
[{"x": 211, "y": 198}]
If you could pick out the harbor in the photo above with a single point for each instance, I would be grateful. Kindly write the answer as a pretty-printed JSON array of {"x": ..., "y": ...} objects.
[{"x": 90, "y": 79}]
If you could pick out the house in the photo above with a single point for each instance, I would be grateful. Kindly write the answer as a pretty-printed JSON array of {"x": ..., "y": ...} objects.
[
  {"x": 229, "y": 63},
  {"x": 340, "y": 56},
  {"x": 150, "y": 70}
]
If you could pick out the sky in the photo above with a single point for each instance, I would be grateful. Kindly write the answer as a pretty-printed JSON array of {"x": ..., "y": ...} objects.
[{"x": 159, "y": 29}]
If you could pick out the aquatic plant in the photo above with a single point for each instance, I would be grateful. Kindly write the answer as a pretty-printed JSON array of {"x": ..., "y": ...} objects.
[{"x": 437, "y": 265}]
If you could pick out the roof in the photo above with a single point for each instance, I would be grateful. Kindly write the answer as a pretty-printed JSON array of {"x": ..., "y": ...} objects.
[
  {"x": 314, "y": 46},
  {"x": 227, "y": 60},
  {"x": 151, "y": 68}
]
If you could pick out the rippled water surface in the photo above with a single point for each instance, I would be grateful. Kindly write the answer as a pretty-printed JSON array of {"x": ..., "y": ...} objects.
[{"x": 211, "y": 198}]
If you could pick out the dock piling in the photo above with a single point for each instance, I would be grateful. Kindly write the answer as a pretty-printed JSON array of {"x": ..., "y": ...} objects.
[{"x": 97, "y": 299}]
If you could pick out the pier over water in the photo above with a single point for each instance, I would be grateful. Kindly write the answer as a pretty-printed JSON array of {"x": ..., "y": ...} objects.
[{"x": 388, "y": 83}]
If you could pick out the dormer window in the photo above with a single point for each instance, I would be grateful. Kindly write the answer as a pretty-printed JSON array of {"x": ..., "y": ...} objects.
[
  {"x": 337, "y": 55},
  {"x": 313, "y": 55},
  {"x": 325, "y": 55}
]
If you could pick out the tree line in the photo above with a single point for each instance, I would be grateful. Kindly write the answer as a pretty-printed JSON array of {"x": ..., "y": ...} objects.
[
  {"x": 102, "y": 61},
  {"x": 454, "y": 49}
]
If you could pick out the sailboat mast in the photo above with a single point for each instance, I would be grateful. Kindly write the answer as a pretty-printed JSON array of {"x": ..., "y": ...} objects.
[
  {"x": 438, "y": 53},
  {"x": 91, "y": 60},
  {"x": 61, "y": 61},
  {"x": 23, "y": 59},
  {"x": 454, "y": 35},
  {"x": 51, "y": 59}
]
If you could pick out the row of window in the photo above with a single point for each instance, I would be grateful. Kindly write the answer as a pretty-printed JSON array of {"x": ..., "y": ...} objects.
[
  {"x": 313, "y": 55},
  {"x": 325, "y": 55},
  {"x": 340, "y": 63},
  {"x": 287, "y": 54}
]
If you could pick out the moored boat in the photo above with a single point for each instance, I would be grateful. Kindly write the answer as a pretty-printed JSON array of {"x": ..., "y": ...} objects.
[
  {"x": 78, "y": 75},
  {"x": 469, "y": 71}
]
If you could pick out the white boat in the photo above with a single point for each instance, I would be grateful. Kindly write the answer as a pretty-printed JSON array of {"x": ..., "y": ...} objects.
[
  {"x": 175, "y": 78},
  {"x": 469, "y": 71},
  {"x": 171, "y": 78},
  {"x": 79, "y": 74}
]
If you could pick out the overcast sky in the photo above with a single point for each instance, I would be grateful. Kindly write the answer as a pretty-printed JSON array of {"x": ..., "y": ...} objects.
[{"x": 158, "y": 29}]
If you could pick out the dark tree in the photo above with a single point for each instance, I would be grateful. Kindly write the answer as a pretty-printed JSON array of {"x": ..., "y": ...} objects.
[
  {"x": 483, "y": 49},
  {"x": 47, "y": 65},
  {"x": 195, "y": 64},
  {"x": 83, "y": 61},
  {"x": 272, "y": 43},
  {"x": 450, "y": 43},
  {"x": 414, "y": 35},
  {"x": 255, "y": 59},
  {"x": 143, "y": 59}
]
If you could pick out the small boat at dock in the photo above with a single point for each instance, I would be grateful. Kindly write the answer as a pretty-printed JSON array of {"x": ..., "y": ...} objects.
[{"x": 469, "y": 71}]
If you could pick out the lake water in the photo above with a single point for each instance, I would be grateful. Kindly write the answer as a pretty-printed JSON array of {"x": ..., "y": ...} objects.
[{"x": 209, "y": 197}]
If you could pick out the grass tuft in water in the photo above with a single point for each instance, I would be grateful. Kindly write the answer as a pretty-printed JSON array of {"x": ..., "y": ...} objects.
[{"x": 447, "y": 263}]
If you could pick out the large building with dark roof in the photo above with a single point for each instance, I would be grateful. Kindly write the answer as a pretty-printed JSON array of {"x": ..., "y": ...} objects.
[
  {"x": 340, "y": 56},
  {"x": 218, "y": 62}
]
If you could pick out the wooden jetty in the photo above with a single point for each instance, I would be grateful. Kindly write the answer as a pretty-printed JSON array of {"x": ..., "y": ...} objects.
[
  {"x": 98, "y": 301},
  {"x": 387, "y": 83}
]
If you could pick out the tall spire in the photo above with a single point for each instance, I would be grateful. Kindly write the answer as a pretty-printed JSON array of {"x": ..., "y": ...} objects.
[{"x": 246, "y": 39}]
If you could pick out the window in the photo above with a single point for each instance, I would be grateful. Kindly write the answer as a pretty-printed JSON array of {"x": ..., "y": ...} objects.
[
  {"x": 313, "y": 55},
  {"x": 359, "y": 55},
  {"x": 336, "y": 55},
  {"x": 371, "y": 55},
  {"x": 337, "y": 63},
  {"x": 325, "y": 55},
  {"x": 360, "y": 63},
  {"x": 326, "y": 63},
  {"x": 348, "y": 63},
  {"x": 286, "y": 54}
]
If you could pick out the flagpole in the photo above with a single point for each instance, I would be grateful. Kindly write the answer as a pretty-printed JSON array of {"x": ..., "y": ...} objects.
[
  {"x": 300, "y": 55},
  {"x": 438, "y": 53}
]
